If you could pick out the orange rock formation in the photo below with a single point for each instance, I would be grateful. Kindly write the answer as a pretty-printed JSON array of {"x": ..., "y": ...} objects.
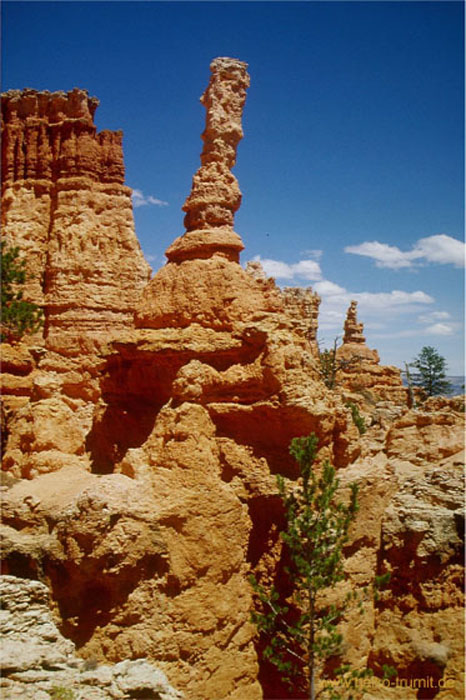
[
  {"x": 66, "y": 207},
  {"x": 203, "y": 282},
  {"x": 360, "y": 366},
  {"x": 140, "y": 459}
]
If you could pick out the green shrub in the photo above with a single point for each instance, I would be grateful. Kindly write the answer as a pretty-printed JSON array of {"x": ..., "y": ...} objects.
[
  {"x": 358, "y": 420},
  {"x": 431, "y": 375},
  {"x": 18, "y": 316},
  {"x": 58, "y": 692}
]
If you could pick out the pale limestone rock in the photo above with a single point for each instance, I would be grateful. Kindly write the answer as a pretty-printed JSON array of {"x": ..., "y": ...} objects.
[
  {"x": 426, "y": 435},
  {"x": 30, "y": 638},
  {"x": 35, "y": 658}
]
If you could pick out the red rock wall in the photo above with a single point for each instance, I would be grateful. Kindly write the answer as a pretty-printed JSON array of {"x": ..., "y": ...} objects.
[{"x": 66, "y": 207}]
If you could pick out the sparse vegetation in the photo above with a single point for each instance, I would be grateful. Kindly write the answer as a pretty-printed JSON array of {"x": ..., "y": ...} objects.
[
  {"x": 430, "y": 376},
  {"x": 331, "y": 365},
  {"x": 300, "y": 631},
  {"x": 18, "y": 316},
  {"x": 358, "y": 420},
  {"x": 58, "y": 692}
]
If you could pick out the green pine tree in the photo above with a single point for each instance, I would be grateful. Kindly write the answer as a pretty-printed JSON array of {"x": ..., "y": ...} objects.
[
  {"x": 329, "y": 366},
  {"x": 301, "y": 631},
  {"x": 18, "y": 316},
  {"x": 431, "y": 376}
]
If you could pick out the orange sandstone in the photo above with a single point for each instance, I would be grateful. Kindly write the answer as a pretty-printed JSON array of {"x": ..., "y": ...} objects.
[{"x": 164, "y": 436}]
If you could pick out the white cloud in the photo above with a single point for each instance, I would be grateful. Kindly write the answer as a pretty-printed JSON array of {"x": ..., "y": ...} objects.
[
  {"x": 141, "y": 200},
  {"x": 425, "y": 332},
  {"x": 313, "y": 253},
  {"x": 373, "y": 306},
  {"x": 383, "y": 254},
  {"x": 440, "y": 249},
  {"x": 157, "y": 202},
  {"x": 329, "y": 289},
  {"x": 305, "y": 269},
  {"x": 395, "y": 300},
  {"x": 434, "y": 316},
  {"x": 440, "y": 329}
]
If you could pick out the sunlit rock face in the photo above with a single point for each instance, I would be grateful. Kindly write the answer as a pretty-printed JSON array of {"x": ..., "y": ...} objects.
[
  {"x": 360, "y": 368},
  {"x": 140, "y": 457},
  {"x": 203, "y": 282},
  {"x": 65, "y": 206}
]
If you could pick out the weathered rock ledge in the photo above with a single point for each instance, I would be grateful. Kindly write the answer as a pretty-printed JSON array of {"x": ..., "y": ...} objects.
[{"x": 35, "y": 658}]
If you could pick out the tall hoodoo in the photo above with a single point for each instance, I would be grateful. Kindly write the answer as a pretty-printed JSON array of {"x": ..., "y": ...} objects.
[
  {"x": 215, "y": 194},
  {"x": 203, "y": 281}
]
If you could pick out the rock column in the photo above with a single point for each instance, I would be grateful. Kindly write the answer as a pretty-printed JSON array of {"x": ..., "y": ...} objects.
[
  {"x": 215, "y": 194},
  {"x": 203, "y": 282},
  {"x": 361, "y": 368},
  {"x": 353, "y": 329},
  {"x": 66, "y": 207}
]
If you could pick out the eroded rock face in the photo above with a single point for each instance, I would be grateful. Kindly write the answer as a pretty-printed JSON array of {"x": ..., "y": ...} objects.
[
  {"x": 140, "y": 479},
  {"x": 35, "y": 658},
  {"x": 66, "y": 207},
  {"x": 361, "y": 370},
  {"x": 411, "y": 524}
]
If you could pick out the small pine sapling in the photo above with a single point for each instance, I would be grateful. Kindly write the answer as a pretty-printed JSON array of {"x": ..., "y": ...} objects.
[
  {"x": 358, "y": 420},
  {"x": 300, "y": 630}
]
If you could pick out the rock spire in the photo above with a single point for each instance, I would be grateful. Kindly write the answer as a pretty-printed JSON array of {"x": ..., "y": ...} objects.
[
  {"x": 353, "y": 329},
  {"x": 361, "y": 368},
  {"x": 215, "y": 195},
  {"x": 203, "y": 281}
]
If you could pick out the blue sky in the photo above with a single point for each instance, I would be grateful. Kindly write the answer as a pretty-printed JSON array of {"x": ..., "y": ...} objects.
[{"x": 352, "y": 165}]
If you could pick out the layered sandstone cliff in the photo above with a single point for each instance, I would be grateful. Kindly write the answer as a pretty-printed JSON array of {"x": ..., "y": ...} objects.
[
  {"x": 67, "y": 208},
  {"x": 140, "y": 462}
]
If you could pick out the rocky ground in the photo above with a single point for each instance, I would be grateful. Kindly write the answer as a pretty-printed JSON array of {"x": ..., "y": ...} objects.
[{"x": 38, "y": 663}]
